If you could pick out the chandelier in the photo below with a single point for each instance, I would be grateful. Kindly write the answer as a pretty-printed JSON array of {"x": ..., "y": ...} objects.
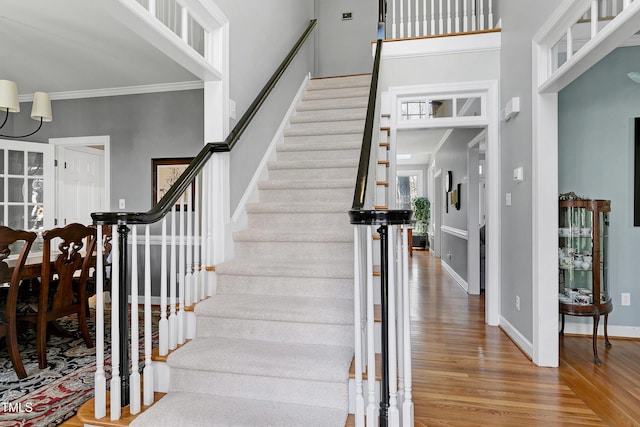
[{"x": 40, "y": 110}]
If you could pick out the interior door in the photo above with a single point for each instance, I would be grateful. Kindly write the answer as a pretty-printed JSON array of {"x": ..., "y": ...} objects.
[{"x": 81, "y": 183}]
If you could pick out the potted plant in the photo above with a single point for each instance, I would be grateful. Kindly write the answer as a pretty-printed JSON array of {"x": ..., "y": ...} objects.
[{"x": 421, "y": 213}]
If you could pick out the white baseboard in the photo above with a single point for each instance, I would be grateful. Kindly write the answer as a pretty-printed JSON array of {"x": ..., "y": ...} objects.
[
  {"x": 463, "y": 283},
  {"x": 521, "y": 341},
  {"x": 612, "y": 330}
]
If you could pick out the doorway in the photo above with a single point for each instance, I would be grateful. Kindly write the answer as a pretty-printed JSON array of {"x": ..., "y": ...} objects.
[{"x": 82, "y": 178}]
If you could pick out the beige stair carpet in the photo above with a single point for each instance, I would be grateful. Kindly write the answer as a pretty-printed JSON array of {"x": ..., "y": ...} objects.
[{"x": 274, "y": 345}]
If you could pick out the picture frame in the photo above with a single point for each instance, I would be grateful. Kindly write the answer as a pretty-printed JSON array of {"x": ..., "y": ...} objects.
[{"x": 164, "y": 173}]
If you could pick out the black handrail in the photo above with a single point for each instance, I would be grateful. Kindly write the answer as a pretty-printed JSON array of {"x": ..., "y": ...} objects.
[{"x": 182, "y": 183}]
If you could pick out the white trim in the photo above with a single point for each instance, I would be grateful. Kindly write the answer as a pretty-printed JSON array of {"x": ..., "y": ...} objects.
[
  {"x": 239, "y": 217},
  {"x": 117, "y": 91},
  {"x": 457, "y": 232},
  {"x": 441, "y": 45},
  {"x": 476, "y": 140},
  {"x": 459, "y": 280},
  {"x": 521, "y": 341}
]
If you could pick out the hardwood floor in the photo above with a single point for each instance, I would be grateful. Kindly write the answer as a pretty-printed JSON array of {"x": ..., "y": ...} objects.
[{"x": 466, "y": 373}]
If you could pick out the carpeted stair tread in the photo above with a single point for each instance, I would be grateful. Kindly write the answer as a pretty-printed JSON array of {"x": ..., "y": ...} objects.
[
  {"x": 311, "y": 129},
  {"x": 260, "y": 267},
  {"x": 328, "y": 145},
  {"x": 329, "y": 115},
  {"x": 264, "y": 358},
  {"x": 203, "y": 410},
  {"x": 336, "y": 93},
  {"x": 331, "y": 311},
  {"x": 333, "y": 104},
  {"x": 284, "y": 235}
]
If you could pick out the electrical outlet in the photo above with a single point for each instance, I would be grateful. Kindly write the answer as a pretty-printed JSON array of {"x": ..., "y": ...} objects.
[
  {"x": 517, "y": 303},
  {"x": 626, "y": 299}
]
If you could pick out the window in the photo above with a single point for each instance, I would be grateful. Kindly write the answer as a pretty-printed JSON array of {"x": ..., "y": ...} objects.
[
  {"x": 409, "y": 186},
  {"x": 422, "y": 109}
]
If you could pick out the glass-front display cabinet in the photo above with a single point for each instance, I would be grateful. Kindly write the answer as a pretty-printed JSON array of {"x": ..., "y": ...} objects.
[{"x": 582, "y": 254}]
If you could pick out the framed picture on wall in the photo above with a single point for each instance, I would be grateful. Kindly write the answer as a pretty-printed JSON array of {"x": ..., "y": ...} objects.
[{"x": 165, "y": 172}]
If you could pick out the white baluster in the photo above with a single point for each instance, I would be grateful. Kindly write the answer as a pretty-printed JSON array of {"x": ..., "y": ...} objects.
[
  {"x": 393, "y": 19},
  {"x": 372, "y": 413},
  {"x": 163, "y": 325},
  {"x": 152, "y": 7},
  {"x": 147, "y": 373},
  {"x": 465, "y": 16},
  {"x": 457, "y": 20},
  {"x": 569, "y": 43},
  {"x": 625, "y": 4},
  {"x": 449, "y": 11},
  {"x": 401, "y": 18},
  {"x": 433, "y": 17},
  {"x": 173, "y": 316},
  {"x": 481, "y": 27},
  {"x": 490, "y": 24},
  {"x": 134, "y": 376},
  {"x": 357, "y": 317},
  {"x": 594, "y": 18},
  {"x": 211, "y": 283},
  {"x": 605, "y": 8},
  {"x": 394, "y": 414},
  {"x": 197, "y": 266},
  {"x": 407, "y": 404},
  {"x": 441, "y": 20},
  {"x": 417, "y": 29},
  {"x": 203, "y": 235},
  {"x": 474, "y": 18},
  {"x": 100, "y": 402},
  {"x": 114, "y": 385},
  {"x": 184, "y": 21},
  {"x": 425, "y": 30},
  {"x": 614, "y": 7},
  {"x": 188, "y": 287},
  {"x": 409, "y": 22},
  {"x": 181, "y": 268}
]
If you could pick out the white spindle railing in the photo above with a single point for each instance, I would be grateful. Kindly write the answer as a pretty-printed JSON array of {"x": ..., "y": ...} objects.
[
  {"x": 115, "y": 405},
  {"x": 441, "y": 17},
  {"x": 398, "y": 350},
  {"x": 134, "y": 377},
  {"x": 100, "y": 402}
]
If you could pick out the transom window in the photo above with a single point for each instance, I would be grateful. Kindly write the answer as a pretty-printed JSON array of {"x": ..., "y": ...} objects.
[{"x": 423, "y": 108}]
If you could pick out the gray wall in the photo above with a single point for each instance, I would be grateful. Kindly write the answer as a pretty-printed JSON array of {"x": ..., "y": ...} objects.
[
  {"x": 344, "y": 47},
  {"x": 141, "y": 127},
  {"x": 520, "y": 22},
  {"x": 596, "y": 151},
  {"x": 261, "y": 35}
]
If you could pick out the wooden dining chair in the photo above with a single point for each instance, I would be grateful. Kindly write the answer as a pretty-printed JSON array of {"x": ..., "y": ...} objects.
[
  {"x": 13, "y": 241},
  {"x": 63, "y": 294}
]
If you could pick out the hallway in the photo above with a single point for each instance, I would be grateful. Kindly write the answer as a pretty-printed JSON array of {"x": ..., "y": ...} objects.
[{"x": 466, "y": 373}]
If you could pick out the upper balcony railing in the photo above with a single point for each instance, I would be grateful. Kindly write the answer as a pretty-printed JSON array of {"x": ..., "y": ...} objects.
[{"x": 420, "y": 18}]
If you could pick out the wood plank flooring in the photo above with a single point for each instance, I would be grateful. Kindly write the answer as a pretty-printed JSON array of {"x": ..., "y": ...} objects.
[{"x": 466, "y": 373}]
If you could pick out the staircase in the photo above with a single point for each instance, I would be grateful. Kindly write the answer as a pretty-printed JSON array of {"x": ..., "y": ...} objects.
[{"x": 274, "y": 345}]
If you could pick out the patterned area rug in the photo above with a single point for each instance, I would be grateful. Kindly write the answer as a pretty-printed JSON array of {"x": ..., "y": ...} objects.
[{"x": 49, "y": 396}]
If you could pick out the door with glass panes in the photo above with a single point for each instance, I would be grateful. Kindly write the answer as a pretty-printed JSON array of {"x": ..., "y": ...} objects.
[{"x": 26, "y": 185}]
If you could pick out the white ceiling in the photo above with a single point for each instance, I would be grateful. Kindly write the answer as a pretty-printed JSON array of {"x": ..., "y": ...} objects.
[{"x": 70, "y": 45}]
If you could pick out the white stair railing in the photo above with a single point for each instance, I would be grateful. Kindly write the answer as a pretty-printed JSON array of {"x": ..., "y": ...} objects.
[{"x": 414, "y": 18}]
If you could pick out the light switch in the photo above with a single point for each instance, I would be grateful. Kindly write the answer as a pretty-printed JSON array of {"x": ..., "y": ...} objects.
[
  {"x": 507, "y": 199},
  {"x": 121, "y": 204},
  {"x": 518, "y": 174}
]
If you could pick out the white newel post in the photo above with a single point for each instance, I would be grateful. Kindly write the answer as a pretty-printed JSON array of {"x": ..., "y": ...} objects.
[
  {"x": 372, "y": 413},
  {"x": 393, "y": 414},
  {"x": 134, "y": 376},
  {"x": 357, "y": 318},
  {"x": 100, "y": 402},
  {"x": 114, "y": 385},
  {"x": 407, "y": 404},
  {"x": 148, "y": 344},
  {"x": 173, "y": 316}
]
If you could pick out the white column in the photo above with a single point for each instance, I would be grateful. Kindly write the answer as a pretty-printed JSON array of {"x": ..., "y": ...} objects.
[
  {"x": 394, "y": 414},
  {"x": 134, "y": 376},
  {"x": 163, "y": 326},
  {"x": 148, "y": 344},
  {"x": 407, "y": 404},
  {"x": 100, "y": 402},
  {"x": 372, "y": 412},
  {"x": 115, "y": 403}
]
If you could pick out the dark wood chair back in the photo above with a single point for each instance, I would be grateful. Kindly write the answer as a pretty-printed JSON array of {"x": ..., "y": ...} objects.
[{"x": 12, "y": 242}]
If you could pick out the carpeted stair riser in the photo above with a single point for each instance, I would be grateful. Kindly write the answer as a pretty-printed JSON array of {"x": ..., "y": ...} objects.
[
  {"x": 356, "y": 80},
  {"x": 218, "y": 411},
  {"x": 332, "y": 104},
  {"x": 333, "y": 115},
  {"x": 336, "y": 93},
  {"x": 328, "y": 131},
  {"x": 301, "y": 195},
  {"x": 313, "y": 287},
  {"x": 295, "y": 250},
  {"x": 285, "y": 332},
  {"x": 336, "y": 154},
  {"x": 292, "y": 140},
  {"x": 300, "y": 221},
  {"x": 295, "y": 172}
]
